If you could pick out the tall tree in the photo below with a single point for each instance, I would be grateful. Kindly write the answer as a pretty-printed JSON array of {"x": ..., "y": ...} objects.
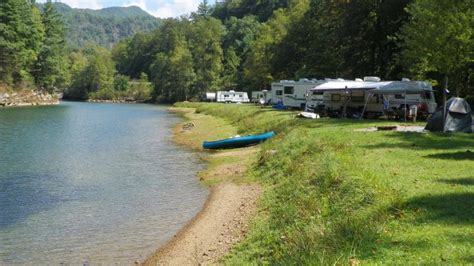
[
  {"x": 20, "y": 35},
  {"x": 440, "y": 38},
  {"x": 173, "y": 73},
  {"x": 51, "y": 64},
  {"x": 205, "y": 38},
  {"x": 236, "y": 44},
  {"x": 263, "y": 64},
  {"x": 204, "y": 10}
]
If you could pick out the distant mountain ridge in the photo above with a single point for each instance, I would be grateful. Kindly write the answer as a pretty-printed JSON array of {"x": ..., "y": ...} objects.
[{"x": 105, "y": 26}]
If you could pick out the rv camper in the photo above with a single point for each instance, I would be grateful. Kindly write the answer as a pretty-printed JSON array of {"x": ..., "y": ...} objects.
[
  {"x": 210, "y": 97},
  {"x": 374, "y": 97},
  {"x": 257, "y": 95},
  {"x": 232, "y": 97},
  {"x": 292, "y": 94}
]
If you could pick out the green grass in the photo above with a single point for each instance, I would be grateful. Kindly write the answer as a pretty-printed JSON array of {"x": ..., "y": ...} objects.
[{"x": 335, "y": 195}]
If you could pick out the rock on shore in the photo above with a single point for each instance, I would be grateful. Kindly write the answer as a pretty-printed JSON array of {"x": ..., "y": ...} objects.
[{"x": 27, "y": 98}]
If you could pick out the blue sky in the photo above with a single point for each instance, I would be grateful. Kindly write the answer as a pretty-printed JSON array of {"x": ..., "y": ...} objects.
[{"x": 157, "y": 8}]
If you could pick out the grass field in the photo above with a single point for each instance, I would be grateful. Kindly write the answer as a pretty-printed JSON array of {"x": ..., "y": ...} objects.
[{"x": 336, "y": 195}]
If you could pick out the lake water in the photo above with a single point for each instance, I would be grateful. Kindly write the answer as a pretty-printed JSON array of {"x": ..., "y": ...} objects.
[{"x": 88, "y": 183}]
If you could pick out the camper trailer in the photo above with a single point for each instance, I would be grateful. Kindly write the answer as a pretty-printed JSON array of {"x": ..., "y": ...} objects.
[
  {"x": 292, "y": 94},
  {"x": 209, "y": 97},
  {"x": 232, "y": 97},
  {"x": 376, "y": 97},
  {"x": 259, "y": 96}
]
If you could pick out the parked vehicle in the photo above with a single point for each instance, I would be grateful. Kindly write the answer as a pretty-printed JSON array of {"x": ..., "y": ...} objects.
[
  {"x": 209, "y": 97},
  {"x": 232, "y": 97},
  {"x": 257, "y": 96},
  {"x": 374, "y": 98},
  {"x": 292, "y": 94}
]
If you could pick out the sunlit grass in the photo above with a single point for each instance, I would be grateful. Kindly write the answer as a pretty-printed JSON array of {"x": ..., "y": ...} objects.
[{"x": 335, "y": 195}]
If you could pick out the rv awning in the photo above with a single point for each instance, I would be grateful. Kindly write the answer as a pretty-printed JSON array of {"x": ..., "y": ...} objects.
[
  {"x": 384, "y": 87},
  {"x": 396, "y": 87},
  {"x": 346, "y": 85}
]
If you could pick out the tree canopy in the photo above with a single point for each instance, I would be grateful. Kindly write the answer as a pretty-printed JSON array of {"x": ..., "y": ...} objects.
[{"x": 242, "y": 45}]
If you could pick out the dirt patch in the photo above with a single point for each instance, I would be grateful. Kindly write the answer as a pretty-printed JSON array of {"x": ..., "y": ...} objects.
[{"x": 399, "y": 128}]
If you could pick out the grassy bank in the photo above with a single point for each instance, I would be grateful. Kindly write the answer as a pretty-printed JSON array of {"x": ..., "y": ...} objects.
[{"x": 336, "y": 195}]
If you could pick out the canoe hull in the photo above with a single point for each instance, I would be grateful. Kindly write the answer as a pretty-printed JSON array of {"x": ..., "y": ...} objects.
[{"x": 237, "y": 142}]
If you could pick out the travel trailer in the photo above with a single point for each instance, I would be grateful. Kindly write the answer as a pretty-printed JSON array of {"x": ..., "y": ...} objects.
[
  {"x": 232, "y": 97},
  {"x": 209, "y": 97},
  {"x": 375, "y": 97},
  {"x": 257, "y": 95},
  {"x": 292, "y": 94}
]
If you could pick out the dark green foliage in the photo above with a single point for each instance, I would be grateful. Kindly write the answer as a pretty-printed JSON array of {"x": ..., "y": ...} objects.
[
  {"x": 439, "y": 38},
  {"x": 172, "y": 68},
  {"x": 32, "y": 46},
  {"x": 21, "y": 34},
  {"x": 93, "y": 70},
  {"x": 50, "y": 66},
  {"x": 94, "y": 77},
  {"x": 262, "y": 9}
]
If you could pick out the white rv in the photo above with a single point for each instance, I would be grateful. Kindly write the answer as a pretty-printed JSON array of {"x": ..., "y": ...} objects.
[
  {"x": 292, "y": 94},
  {"x": 372, "y": 97},
  {"x": 263, "y": 95},
  {"x": 232, "y": 97}
]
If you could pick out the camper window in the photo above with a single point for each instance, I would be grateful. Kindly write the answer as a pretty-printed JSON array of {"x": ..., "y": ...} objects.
[
  {"x": 318, "y": 92},
  {"x": 226, "y": 95},
  {"x": 289, "y": 90},
  {"x": 278, "y": 92},
  {"x": 335, "y": 97},
  {"x": 358, "y": 98},
  {"x": 399, "y": 96}
]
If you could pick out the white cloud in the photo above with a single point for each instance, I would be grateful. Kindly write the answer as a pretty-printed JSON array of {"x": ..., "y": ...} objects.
[
  {"x": 140, "y": 3},
  {"x": 90, "y": 4},
  {"x": 171, "y": 8}
]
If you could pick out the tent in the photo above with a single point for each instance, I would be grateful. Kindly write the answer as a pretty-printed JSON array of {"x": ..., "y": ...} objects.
[{"x": 458, "y": 117}]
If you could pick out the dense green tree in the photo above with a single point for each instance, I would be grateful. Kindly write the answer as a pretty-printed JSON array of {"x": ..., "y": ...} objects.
[
  {"x": 50, "y": 67},
  {"x": 92, "y": 70},
  {"x": 20, "y": 36},
  {"x": 173, "y": 72},
  {"x": 262, "y": 9},
  {"x": 204, "y": 9},
  {"x": 260, "y": 64},
  {"x": 440, "y": 38},
  {"x": 236, "y": 44},
  {"x": 134, "y": 56},
  {"x": 205, "y": 38},
  {"x": 77, "y": 65}
]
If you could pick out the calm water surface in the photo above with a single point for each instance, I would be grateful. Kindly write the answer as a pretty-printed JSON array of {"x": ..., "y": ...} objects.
[{"x": 92, "y": 183}]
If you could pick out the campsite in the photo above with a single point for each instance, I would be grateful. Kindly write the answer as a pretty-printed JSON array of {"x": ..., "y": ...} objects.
[{"x": 382, "y": 196}]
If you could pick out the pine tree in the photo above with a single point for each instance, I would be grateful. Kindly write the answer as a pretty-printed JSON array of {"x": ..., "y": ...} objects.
[
  {"x": 51, "y": 65},
  {"x": 20, "y": 35}
]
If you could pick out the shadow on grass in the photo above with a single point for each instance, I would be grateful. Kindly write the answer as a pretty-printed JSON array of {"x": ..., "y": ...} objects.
[
  {"x": 453, "y": 208},
  {"x": 413, "y": 140},
  {"x": 461, "y": 155},
  {"x": 468, "y": 181}
]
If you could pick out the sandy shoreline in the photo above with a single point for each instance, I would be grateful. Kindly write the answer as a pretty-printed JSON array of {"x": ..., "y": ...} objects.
[{"x": 224, "y": 219}]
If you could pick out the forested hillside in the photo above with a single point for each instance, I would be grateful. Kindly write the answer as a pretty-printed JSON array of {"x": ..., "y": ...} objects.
[
  {"x": 245, "y": 45},
  {"x": 105, "y": 26}
]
